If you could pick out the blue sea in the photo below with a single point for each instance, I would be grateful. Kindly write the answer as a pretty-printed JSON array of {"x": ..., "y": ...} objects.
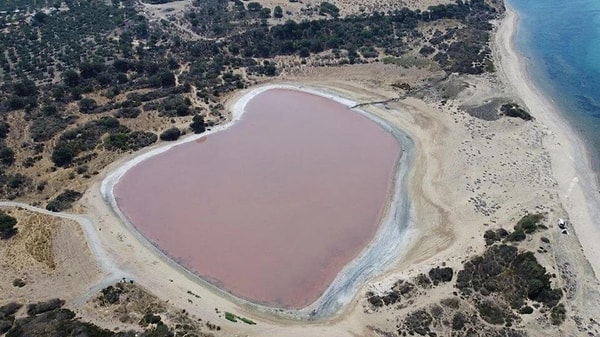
[{"x": 561, "y": 40}]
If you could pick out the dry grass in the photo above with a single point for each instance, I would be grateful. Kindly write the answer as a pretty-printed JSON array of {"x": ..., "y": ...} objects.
[
  {"x": 34, "y": 241},
  {"x": 50, "y": 255}
]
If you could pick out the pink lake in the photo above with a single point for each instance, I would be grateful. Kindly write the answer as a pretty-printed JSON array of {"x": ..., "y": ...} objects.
[{"x": 272, "y": 208}]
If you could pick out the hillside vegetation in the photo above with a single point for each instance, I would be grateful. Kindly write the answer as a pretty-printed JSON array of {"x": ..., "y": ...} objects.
[{"x": 84, "y": 81}]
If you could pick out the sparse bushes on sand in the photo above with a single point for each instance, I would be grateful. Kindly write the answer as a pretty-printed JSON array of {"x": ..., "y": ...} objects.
[{"x": 7, "y": 225}]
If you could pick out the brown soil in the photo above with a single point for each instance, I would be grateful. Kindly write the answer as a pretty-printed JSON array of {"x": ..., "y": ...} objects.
[{"x": 50, "y": 255}]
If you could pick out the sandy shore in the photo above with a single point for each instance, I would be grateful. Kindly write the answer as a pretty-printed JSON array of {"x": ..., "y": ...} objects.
[{"x": 570, "y": 163}]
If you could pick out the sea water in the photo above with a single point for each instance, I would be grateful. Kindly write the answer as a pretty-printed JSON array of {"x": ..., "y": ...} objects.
[{"x": 561, "y": 41}]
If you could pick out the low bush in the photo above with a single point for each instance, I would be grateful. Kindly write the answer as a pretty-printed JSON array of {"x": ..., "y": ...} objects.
[
  {"x": 19, "y": 283},
  {"x": 514, "y": 110},
  {"x": 129, "y": 141},
  {"x": 418, "y": 322},
  {"x": 517, "y": 235},
  {"x": 150, "y": 318},
  {"x": 128, "y": 113},
  {"x": 529, "y": 223},
  {"x": 7, "y": 226},
  {"x": 41, "y": 307},
  {"x": 458, "y": 321},
  {"x": 492, "y": 236},
  {"x": 63, "y": 201},
  {"x": 87, "y": 105},
  {"x": 491, "y": 313},
  {"x": 441, "y": 275},
  {"x": 197, "y": 124},
  {"x": 9, "y": 309},
  {"x": 83, "y": 138},
  {"x": 526, "y": 310},
  {"x": 558, "y": 314},
  {"x": 230, "y": 317},
  {"x": 512, "y": 275},
  {"x": 110, "y": 295},
  {"x": 171, "y": 134}
]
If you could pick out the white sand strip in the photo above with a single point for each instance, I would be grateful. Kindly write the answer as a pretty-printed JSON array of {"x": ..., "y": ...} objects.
[{"x": 571, "y": 167}]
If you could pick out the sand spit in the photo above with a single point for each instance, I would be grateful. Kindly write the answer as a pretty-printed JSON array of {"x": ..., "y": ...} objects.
[
  {"x": 570, "y": 162},
  {"x": 390, "y": 242}
]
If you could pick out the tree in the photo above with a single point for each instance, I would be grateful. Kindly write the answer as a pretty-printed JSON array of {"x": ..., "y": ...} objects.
[
  {"x": 197, "y": 124},
  {"x": 170, "y": 134},
  {"x": 62, "y": 155},
  {"x": 265, "y": 13},
  {"x": 71, "y": 78},
  {"x": 40, "y": 18},
  {"x": 63, "y": 201},
  {"x": 25, "y": 88},
  {"x": 7, "y": 226},
  {"x": 86, "y": 105},
  {"x": 7, "y": 156},
  {"x": 4, "y": 128},
  {"x": 277, "y": 12},
  {"x": 254, "y": 7}
]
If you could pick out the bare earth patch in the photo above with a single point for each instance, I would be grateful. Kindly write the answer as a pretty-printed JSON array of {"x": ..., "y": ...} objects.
[{"x": 50, "y": 255}]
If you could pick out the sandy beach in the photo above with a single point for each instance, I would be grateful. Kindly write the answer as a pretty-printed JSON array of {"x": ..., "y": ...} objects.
[{"x": 570, "y": 161}]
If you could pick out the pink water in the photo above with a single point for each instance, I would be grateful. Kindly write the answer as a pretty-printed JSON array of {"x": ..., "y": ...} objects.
[{"x": 272, "y": 208}]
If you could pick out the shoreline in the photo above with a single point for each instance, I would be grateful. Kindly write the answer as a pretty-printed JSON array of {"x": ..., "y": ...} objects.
[
  {"x": 571, "y": 165},
  {"x": 391, "y": 240}
]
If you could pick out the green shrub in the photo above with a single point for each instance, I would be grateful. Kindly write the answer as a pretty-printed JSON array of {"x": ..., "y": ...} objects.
[
  {"x": 128, "y": 113},
  {"x": 63, "y": 201},
  {"x": 87, "y": 105},
  {"x": 526, "y": 310},
  {"x": 558, "y": 314},
  {"x": 329, "y": 9},
  {"x": 149, "y": 318},
  {"x": 529, "y": 223},
  {"x": 439, "y": 275},
  {"x": 198, "y": 125},
  {"x": 41, "y": 307},
  {"x": 247, "y": 321},
  {"x": 7, "y": 225},
  {"x": 4, "y": 129},
  {"x": 9, "y": 309},
  {"x": 7, "y": 155},
  {"x": 458, "y": 321},
  {"x": 171, "y": 134},
  {"x": 231, "y": 317},
  {"x": 491, "y": 313},
  {"x": 514, "y": 110},
  {"x": 111, "y": 295},
  {"x": 19, "y": 283},
  {"x": 517, "y": 235}
]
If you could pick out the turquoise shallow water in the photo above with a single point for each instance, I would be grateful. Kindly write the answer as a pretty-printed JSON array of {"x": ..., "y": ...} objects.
[{"x": 561, "y": 40}]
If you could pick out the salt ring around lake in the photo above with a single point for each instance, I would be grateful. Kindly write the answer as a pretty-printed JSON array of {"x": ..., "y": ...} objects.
[{"x": 367, "y": 239}]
